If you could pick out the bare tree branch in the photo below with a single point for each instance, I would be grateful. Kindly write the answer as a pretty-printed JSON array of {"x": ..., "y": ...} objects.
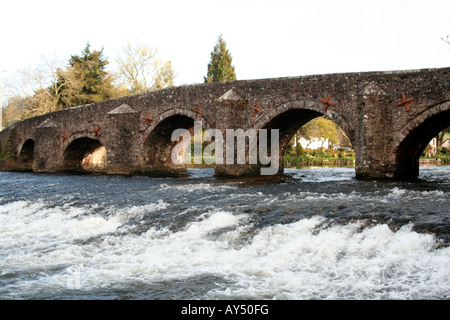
[{"x": 141, "y": 70}]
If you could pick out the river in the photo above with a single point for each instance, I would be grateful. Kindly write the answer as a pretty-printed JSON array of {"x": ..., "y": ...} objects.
[{"x": 314, "y": 234}]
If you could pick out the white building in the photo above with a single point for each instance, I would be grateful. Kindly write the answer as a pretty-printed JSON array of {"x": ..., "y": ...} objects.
[
  {"x": 433, "y": 149},
  {"x": 446, "y": 144},
  {"x": 314, "y": 143}
]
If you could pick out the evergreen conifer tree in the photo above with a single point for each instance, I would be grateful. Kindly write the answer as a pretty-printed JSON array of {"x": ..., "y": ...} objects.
[
  {"x": 220, "y": 67},
  {"x": 85, "y": 80}
]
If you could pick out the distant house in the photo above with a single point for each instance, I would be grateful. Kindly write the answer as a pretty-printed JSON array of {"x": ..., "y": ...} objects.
[
  {"x": 446, "y": 144},
  {"x": 314, "y": 143},
  {"x": 433, "y": 148}
]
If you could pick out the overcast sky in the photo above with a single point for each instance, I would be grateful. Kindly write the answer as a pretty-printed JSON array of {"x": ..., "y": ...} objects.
[{"x": 267, "y": 39}]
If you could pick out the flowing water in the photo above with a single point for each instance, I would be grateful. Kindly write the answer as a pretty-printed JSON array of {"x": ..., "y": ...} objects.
[{"x": 315, "y": 234}]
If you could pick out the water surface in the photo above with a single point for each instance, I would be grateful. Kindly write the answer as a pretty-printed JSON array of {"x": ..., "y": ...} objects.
[{"x": 315, "y": 234}]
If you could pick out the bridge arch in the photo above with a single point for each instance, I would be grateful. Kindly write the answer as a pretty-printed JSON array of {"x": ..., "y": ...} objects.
[
  {"x": 25, "y": 158},
  {"x": 415, "y": 136},
  {"x": 81, "y": 134},
  {"x": 157, "y": 144},
  {"x": 291, "y": 116},
  {"x": 168, "y": 114},
  {"x": 84, "y": 154},
  {"x": 300, "y": 106}
]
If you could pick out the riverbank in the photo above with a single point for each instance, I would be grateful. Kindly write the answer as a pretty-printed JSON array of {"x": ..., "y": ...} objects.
[
  {"x": 434, "y": 161},
  {"x": 305, "y": 161},
  {"x": 299, "y": 162}
]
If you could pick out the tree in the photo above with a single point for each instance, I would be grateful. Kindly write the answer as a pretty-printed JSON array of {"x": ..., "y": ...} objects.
[
  {"x": 14, "y": 111},
  {"x": 220, "y": 67},
  {"x": 440, "y": 137},
  {"x": 140, "y": 69},
  {"x": 34, "y": 90},
  {"x": 322, "y": 127},
  {"x": 85, "y": 80}
]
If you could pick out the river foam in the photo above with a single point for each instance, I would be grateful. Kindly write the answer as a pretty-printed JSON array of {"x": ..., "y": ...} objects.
[{"x": 66, "y": 250}]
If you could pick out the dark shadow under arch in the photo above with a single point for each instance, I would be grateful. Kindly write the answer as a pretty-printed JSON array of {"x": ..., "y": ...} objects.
[
  {"x": 25, "y": 160},
  {"x": 412, "y": 146},
  {"x": 84, "y": 155},
  {"x": 288, "y": 123},
  {"x": 157, "y": 148}
]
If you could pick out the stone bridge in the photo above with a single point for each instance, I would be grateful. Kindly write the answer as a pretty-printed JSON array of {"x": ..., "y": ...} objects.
[{"x": 389, "y": 117}]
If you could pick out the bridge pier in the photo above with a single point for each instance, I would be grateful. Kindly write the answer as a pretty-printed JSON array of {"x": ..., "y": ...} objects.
[
  {"x": 236, "y": 170},
  {"x": 122, "y": 138},
  {"x": 373, "y": 142},
  {"x": 230, "y": 116},
  {"x": 249, "y": 153},
  {"x": 48, "y": 153}
]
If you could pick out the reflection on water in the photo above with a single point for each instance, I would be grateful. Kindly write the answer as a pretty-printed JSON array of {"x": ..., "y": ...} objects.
[{"x": 312, "y": 234}]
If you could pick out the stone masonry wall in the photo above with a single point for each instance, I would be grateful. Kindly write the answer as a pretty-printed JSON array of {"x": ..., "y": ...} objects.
[{"x": 364, "y": 105}]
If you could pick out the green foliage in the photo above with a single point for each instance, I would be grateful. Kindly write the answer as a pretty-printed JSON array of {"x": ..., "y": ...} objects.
[
  {"x": 320, "y": 128},
  {"x": 220, "y": 67},
  {"x": 49, "y": 86},
  {"x": 3, "y": 150},
  {"x": 319, "y": 157},
  {"x": 442, "y": 136},
  {"x": 299, "y": 151},
  {"x": 85, "y": 80}
]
